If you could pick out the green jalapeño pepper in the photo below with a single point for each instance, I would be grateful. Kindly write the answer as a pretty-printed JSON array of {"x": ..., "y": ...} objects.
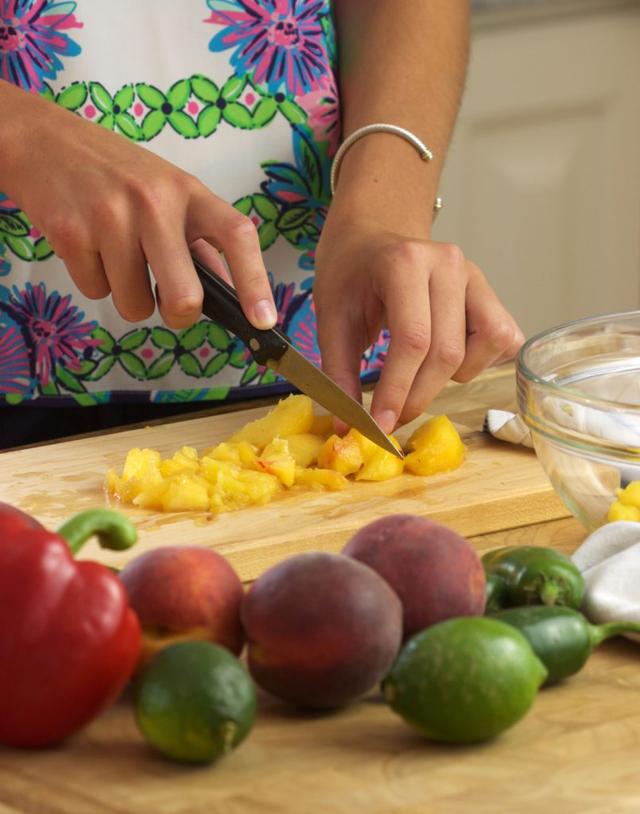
[
  {"x": 560, "y": 637},
  {"x": 495, "y": 590},
  {"x": 68, "y": 639},
  {"x": 532, "y": 575}
]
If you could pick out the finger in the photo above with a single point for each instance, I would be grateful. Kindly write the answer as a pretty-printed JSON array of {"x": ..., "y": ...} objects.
[
  {"x": 211, "y": 218},
  {"x": 210, "y": 257},
  {"x": 341, "y": 350},
  {"x": 126, "y": 270},
  {"x": 406, "y": 298},
  {"x": 178, "y": 286},
  {"x": 448, "y": 333},
  {"x": 87, "y": 272},
  {"x": 493, "y": 335}
]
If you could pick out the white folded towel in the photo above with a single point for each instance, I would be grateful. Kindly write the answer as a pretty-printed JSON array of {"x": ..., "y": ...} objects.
[
  {"x": 609, "y": 560},
  {"x": 506, "y": 426}
]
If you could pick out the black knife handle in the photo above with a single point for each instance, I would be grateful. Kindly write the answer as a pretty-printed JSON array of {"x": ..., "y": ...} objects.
[{"x": 221, "y": 304}]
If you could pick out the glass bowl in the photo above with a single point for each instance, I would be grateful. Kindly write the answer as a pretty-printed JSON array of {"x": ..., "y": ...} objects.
[{"x": 579, "y": 394}]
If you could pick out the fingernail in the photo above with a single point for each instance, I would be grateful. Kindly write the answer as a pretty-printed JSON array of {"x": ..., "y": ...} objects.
[
  {"x": 265, "y": 314},
  {"x": 387, "y": 420}
]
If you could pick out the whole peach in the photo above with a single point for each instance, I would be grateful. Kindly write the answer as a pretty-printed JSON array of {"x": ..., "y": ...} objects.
[
  {"x": 322, "y": 629},
  {"x": 184, "y": 592},
  {"x": 436, "y": 573}
]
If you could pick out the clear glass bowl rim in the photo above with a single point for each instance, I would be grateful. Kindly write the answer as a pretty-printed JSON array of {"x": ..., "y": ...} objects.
[{"x": 522, "y": 366}]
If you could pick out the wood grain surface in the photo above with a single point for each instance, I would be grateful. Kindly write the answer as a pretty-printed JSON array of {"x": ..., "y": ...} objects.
[
  {"x": 499, "y": 486},
  {"x": 574, "y": 753}
]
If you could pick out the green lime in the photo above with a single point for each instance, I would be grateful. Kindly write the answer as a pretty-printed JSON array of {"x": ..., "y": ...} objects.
[
  {"x": 195, "y": 702},
  {"x": 464, "y": 680}
]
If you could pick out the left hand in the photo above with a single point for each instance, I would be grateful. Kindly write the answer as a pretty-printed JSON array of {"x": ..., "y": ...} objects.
[{"x": 445, "y": 320}]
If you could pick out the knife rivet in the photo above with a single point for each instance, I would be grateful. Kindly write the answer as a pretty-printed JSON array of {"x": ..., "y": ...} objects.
[{"x": 254, "y": 344}]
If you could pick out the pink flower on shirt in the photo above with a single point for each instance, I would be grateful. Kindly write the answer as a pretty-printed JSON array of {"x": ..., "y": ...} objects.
[
  {"x": 52, "y": 326},
  {"x": 280, "y": 43},
  {"x": 15, "y": 375},
  {"x": 32, "y": 39}
]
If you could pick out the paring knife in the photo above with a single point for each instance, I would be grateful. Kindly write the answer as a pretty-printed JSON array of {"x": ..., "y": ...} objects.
[{"x": 273, "y": 349}]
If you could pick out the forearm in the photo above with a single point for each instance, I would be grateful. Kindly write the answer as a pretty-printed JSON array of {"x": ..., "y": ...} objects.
[
  {"x": 22, "y": 114},
  {"x": 402, "y": 62}
]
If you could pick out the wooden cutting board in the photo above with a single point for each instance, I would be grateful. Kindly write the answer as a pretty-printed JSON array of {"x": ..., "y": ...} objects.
[{"x": 498, "y": 487}]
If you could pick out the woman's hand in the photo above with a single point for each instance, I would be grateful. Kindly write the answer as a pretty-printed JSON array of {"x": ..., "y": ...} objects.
[
  {"x": 445, "y": 320},
  {"x": 111, "y": 209}
]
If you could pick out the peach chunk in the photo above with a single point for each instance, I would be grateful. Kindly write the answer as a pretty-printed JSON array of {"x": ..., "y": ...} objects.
[
  {"x": 342, "y": 454},
  {"x": 290, "y": 416},
  {"x": 437, "y": 447},
  {"x": 327, "y": 479},
  {"x": 305, "y": 447},
  {"x": 241, "y": 453},
  {"x": 277, "y": 460},
  {"x": 378, "y": 463}
]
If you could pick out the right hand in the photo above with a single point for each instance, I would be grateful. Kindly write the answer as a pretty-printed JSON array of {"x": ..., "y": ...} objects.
[{"x": 110, "y": 208}]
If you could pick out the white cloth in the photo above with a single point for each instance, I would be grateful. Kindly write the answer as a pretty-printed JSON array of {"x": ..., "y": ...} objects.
[
  {"x": 506, "y": 426},
  {"x": 609, "y": 560}
]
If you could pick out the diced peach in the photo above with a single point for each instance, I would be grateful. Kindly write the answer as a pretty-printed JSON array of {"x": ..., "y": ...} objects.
[
  {"x": 630, "y": 495},
  {"x": 241, "y": 453},
  {"x": 210, "y": 469},
  {"x": 277, "y": 460},
  {"x": 289, "y": 446},
  {"x": 112, "y": 482},
  {"x": 244, "y": 487},
  {"x": 151, "y": 495},
  {"x": 382, "y": 465},
  {"x": 342, "y": 454},
  {"x": 367, "y": 447},
  {"x": 437, "y": 447},
  {"x": 186, "y": 492},
  {"x": 327, "y": 479},
  {"x": 290, "y": 416},
  {"x": 140, "y": 462},
  {"x": 305, "y": 447},
  {"x": 623, "y": 511},
  {"x": 184, "y": 460},
  {"x": 378, "y": 463}
]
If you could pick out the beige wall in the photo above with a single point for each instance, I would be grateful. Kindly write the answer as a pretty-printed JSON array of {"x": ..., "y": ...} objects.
[{"x": 542, "y": 184}]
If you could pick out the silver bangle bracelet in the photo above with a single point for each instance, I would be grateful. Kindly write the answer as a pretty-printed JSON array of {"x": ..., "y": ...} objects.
[{"x": 381, "y": 127}]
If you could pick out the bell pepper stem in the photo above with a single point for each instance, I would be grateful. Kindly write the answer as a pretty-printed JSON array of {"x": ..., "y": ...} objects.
[
  {"x": 549, "y": 592},
  {"x": 113, "y": 530}
]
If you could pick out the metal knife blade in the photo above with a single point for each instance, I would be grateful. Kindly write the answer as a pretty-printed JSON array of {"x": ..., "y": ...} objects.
[
  {"x": 273, "y": 348},
  {"x": 312, "y": 381}
]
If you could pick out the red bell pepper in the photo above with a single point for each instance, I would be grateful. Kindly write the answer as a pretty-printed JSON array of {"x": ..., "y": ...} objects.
[{"x": 68, "y": 639}]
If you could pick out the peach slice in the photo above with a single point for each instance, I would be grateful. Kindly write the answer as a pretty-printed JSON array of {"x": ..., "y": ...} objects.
[
  {"x": 277, "y": 460},
  {"x": 342, "y": 454},
  {"x": 290, "y": 416},
  {"x": 305, "y": 448},
  {"x": 437, "y": 447}
]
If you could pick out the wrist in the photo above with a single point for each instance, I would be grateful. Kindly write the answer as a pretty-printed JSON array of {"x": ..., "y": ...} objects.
[{"x": 383, "y": 179}]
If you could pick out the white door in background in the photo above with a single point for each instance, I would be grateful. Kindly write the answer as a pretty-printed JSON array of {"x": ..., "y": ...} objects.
[{"x": 542, "y": 183}]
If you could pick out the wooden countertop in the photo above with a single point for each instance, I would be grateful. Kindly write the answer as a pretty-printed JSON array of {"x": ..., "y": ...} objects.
[{"x": 574, "y": 752}]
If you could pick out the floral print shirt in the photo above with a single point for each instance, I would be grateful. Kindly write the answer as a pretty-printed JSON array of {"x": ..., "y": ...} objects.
[{"x": 242, "y": 94}]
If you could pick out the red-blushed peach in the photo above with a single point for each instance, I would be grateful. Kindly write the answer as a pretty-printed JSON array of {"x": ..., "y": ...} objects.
[
  {"x": 436, "y": 573},
  {"x": 321, "y": 629},
  {"x": 184, "y": 592}
]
